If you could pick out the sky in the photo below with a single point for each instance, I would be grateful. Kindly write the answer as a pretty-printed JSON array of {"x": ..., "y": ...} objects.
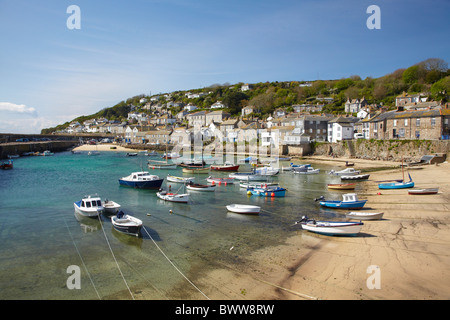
[{"x": 51, "y": 74}]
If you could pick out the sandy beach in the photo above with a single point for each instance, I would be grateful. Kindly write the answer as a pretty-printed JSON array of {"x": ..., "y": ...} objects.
[
  {"x": 410, "y": 247},
  {"x": 104, "y": 147}
]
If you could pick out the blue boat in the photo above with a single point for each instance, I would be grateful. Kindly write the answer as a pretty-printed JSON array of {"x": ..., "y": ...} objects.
[
  {"x": 349, "y": 201},
  {"x": 142, "y": 180},
  {"x": 397, "y": 184},
  {"x": 268, "y": 192}
]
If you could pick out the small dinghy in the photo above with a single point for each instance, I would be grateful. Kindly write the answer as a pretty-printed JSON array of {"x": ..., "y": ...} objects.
[
  {"x": 224, "y": 181},
  {"x": 342, "y": 186},
  {"x": 330, "y": 228},
  {"x": 349, "y": 200},
  {"x": 110, "y": 207},
  {"x": 180, "y": 179},
  {"x": 201, "y": 187},
  {"x": 243, "y": 208},
  {"x": 424, "y": 191},
  {"x": 126, "y": 224},
  {"x": 173, "y": 197},
  {"x": 365, "y": 215}
]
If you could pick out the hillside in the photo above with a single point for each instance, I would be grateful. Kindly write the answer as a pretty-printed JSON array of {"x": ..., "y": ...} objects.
[{"x": 430, "y": 76}]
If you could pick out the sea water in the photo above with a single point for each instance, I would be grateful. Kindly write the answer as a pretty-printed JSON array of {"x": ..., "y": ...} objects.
[{"x": 41, "y": 236}]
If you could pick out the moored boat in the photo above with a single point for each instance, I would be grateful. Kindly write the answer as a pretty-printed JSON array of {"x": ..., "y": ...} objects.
[
  {"x": 141, "y": 180},
  {"x": 201, "y": 187},
  {"x": 345, "y": 172},
  {"x": 257, "y": 185},
  {"x": 268, "y": 192},
  {"x": 180, "y": 179},
  {"x": 424, "y": 191},
  {"x": 356, "y": 177},
  {"x": 126, "y": 224},
  {"x": 226, "y": 167},
  {"x": 332, "y": 228},
  {"x": 342, "y": 186},
  {"x": 243, "y": 208},
  {"x": 349, "y": 200},
  {"x": 364, "y": 215},
  {"x": 7, "y": 165},
  {"x": 89, "y": 206},
  {"x": 219, "y": 181},
  {"x": 110, "y": 206},
  {"x": 308, "y": 170},
  {"x": 249, "y": 176},
  {"x": 173, "y": 197},
  {"x": 195, "y": 170}
]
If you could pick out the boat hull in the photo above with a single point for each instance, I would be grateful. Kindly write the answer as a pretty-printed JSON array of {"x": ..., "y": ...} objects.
[
  {"x": 127, "y": 224},
  {"x": 423, "y": 191},
  {"x": 243, "y": 209},
  {"x": 281, "y": 192},
  {"x": 364, "y": 215},
  {"x": 225, "y": 168},
  {"x": 110, "y": 207},
  {"x": 334, "y": 228},
  {"x": 148, "y": 184},
  {"x": 224, "y": 181},
  {"x": 201, "y": 188},
  {"x": 342, "y": 186},
  {"x": 91, "y": 213},
  {"x": 173, "y": 197},
  {"x": 343, "y": 205},
  {"x": 356, "y": 177},
  {"x": 180, "y": 179},
  {"x": 195, "y": 170},
  {"x": 396, "y": 185}
]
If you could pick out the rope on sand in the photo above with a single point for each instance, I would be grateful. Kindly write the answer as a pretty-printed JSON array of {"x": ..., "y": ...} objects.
[{"x": 174, "y": 264}]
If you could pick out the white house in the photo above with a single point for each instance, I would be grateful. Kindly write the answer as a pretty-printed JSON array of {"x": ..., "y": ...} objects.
[
  {"x": 190, "y": 107},
  {"x": 341, "y": 129},
  {"x": 217, "y": 105}
]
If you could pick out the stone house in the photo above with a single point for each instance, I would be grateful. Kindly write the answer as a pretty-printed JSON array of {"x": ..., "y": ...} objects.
[{"x": 355, "y": 105}]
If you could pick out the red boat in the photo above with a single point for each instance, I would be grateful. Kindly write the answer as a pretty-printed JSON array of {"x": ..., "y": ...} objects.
[
  {"x": 226, "y": 167},
  {"x": 6, "y": 165}
]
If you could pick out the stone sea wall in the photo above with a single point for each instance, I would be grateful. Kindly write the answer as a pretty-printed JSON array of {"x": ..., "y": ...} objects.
[{"x": 388, "y": 150}]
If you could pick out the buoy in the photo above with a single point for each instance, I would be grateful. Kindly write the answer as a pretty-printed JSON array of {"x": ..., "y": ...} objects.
[
  {"x": 170, "y": 211},
  {"x": 225, "y": 183},
  {"x": 272, "y": 194},
  {"x": 148, "y": 214},
  {"x": 249, "y": 193},
  {"x": 379, "y": 193}
]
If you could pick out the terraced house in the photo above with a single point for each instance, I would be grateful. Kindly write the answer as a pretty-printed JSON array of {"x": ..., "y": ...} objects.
[{"x": 430, "y": 124}]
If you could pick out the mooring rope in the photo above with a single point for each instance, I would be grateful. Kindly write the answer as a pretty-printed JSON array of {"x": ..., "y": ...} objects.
[
  {"x": 82, "y": 260},
  {"x": 174, "y": 264},
  {"x": 118, "y": 267}
]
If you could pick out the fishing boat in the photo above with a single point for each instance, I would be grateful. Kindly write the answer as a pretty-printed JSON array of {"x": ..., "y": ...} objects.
[
  {"x": 126, "y": 224},
  {"x": 248, "y": 176},
  {"x": 296, "y": 167},
  {"x": 356, "y": 177},
  {"x": 364, "y": 215},
  {"x": 268, "y": 191},
  {"x": 424, "y": 191},
  {"x": 308, "y": 170},
  {"x": 171, "y": 155},
  {"x": 154, "y": 164},
  {"x": 201, "y": 187},
  {"x": 243, "y": 208},
  {"x": 110, "y": 207},
  {"x": 180, "y": 179},
  {"x": 267, "y": 171},
  {"x": 195, "y": 170},
  {"x": 7, "y": 165},
  {"x": 90, "y": 206},
  {"x": 331, "y": 228},
  {"x": 342, "y": 186},
  {"x": 219, "y": 181},
  {"x": 398, "y": 184},
  {"x": 173, "y": 197},
  {"x": 141, "y": 180},
  {"x": 226, "y": 167},
  {"x": 132, "y": 154},
  {"x": 46, "y": 153},
  {"x": 349, "y": 201},
  {"x": 345, "y": 172}
]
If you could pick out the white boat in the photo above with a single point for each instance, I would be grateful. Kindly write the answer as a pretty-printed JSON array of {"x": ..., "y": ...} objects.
[
  {"x": 126, "y": 224},
  {"x": 424, "y": 191},
  {"x": 332, "y": 228},
  {"x": 224, "y": 181},
  {"x": 267, "y": 171},
  {"x": 180, "y": 179},
  {"x": 153, "y": 164},
  {"x": 173, "y": 197},
  {"x": 309, "y": 170},
  {"x": 89, "y": 206},
  {"x": 243, "y": 208},
  {"x": 248, "y": 176},
  {"x": 110, "y": 207},
  {"x": 356, "y": 177},
  {"x": 345, "y": 172},
  {"x": 132, "y": 154},
  {"x": 47, "y": 153},
  {"x": 201, "y": 187},
  {"x": 365, "y": 215},
  {"x": 247, "y": 185}
]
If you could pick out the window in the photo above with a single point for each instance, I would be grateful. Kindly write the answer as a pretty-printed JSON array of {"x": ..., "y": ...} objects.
[
  {"x": 401, "y": 132},
  {"x": 395, "y": 123},
  {"x": 418, "y": 122},
  {"x": 406, "y": 122},
  {"x": 88, "y": 204},
  {"x": 433, "y": 122}
]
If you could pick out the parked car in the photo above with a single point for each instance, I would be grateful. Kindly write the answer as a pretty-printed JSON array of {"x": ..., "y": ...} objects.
[{"x": 358, "y": 136}]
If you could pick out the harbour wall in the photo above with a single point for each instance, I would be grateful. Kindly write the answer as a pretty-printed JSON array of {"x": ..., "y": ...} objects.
[{"x": 387, "y": 150}]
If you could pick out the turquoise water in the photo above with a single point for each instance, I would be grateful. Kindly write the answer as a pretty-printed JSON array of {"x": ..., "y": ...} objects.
[{"x": 41, "y": 236}]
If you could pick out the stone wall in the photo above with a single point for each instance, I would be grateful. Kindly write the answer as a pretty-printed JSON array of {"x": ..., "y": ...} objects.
[{"x": 390, "y": 150}]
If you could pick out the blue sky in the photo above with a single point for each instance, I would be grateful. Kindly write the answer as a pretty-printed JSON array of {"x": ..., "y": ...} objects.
[{"x": 50, "y": 74}]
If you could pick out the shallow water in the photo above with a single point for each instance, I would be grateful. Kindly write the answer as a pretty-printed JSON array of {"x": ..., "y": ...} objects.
[{"x": 41, "y": 236}]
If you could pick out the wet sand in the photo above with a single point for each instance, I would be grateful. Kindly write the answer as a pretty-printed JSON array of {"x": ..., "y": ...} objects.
[{"x": 410, "y": 245}]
